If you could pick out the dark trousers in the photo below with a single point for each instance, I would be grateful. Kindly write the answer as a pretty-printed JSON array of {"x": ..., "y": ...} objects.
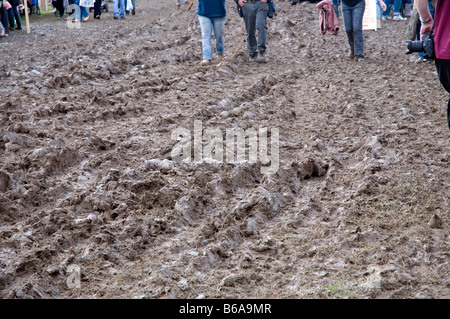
[
  {"x": 443, "y": 70},
  {"x": 16, "y": 15},
  {"x": 255, "y": 19},
  {"x": 59, "y": 5},
  {"x": 4, "y": 18},
  {"x": 97, "y": 8}
]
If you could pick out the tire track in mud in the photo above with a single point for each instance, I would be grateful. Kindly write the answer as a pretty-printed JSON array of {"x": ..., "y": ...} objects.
[{"x": 88, "y": 178}]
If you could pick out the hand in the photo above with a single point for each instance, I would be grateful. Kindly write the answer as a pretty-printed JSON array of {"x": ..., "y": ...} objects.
[
  {"x": 426, "y": 28},
  {"x": 263, "y": 0},
  {"x": 241, "y": 2},
  {"x": 383, "y": 5}
]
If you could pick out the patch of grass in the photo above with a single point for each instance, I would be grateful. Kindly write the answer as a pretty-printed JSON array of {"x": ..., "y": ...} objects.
[{"x": 340, "y": 291}]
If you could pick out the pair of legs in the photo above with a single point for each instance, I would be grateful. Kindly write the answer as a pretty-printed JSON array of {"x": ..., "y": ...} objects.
[
  {"x": 59, "y": 5},
  {"x": 15, "y": 16},
  {"x": 83, "y": 14},
  {"x": 4, "y": 20},
  {"x": 443, "y": 70},
  {"x": 353, "y": 21},
  {"x": 119, "y": 4},
  {"x": 207, "y": 25},
  {"x": 133, "y": 10},
  {"x": 397, "y": 7},
  {"x": 255, "y": 19},
  {"x": 97, "y": 9}
]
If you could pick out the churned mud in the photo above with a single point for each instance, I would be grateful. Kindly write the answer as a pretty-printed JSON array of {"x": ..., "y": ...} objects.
[{"x": 358, "y": 208}]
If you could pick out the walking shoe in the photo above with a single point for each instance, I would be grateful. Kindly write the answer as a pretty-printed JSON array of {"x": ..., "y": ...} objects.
[
  {"x": 133, "y": 12},
  {"x": 252, "y": 58},
  {"x": 85, "y": 19},
  {"x": 360, "y": 58},
  {"x": 261, "y": 57},
  {"x": 351, "y": 55},
  {"x": 205, "y": 62},
  {"x": 122, "y": 17},
  {"x": 398, "y": 17},
  {"x": 385, "y": 18},
  {"x": 97, "y": 17},
  {"x": 19, "y": 28},
  {"x": 116, "y": 17}
]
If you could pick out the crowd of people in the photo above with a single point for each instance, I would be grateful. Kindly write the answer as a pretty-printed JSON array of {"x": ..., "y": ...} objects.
[
  {"x": 121, "y": 8},
  {"x": 11, "y": 19}
]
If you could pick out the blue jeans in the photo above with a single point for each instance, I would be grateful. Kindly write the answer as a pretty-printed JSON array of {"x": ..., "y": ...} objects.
[
  {"x": 218, "y": 24},
  {"x": 397, "y": 7},
  {"x": 16, "y": 16},
  {"x": 336, "y": 3},
  {"x": 83, "y": 11},
  {"x": 119, "y": 4},
  {"x": 353, "y": 20},
  {"x": 255, "y": 19}
]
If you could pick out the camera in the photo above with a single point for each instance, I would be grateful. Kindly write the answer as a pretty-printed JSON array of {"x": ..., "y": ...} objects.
[{"x": 426, "y": 46}]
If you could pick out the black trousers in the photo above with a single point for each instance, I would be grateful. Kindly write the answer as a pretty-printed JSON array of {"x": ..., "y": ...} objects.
[
  {"x": 443, "y": 70},
  {"x": 4, "y": 18},
  {"x": 59, "y": 5},
  {"x": 97, "y": 8}
]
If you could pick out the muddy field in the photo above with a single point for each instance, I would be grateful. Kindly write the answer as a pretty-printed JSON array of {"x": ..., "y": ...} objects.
[{"x": 359, "y": 207}]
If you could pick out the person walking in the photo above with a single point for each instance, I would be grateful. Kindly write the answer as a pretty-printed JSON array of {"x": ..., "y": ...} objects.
[
  {"x": 97, "y": 9},
  {"x": 15, "y": 21},
  {"x": 353, "y": 13},
  {"x": 255, "y": 18},
  {"x": 211, "y": 14},
  {"x": 119, "y": 5}
]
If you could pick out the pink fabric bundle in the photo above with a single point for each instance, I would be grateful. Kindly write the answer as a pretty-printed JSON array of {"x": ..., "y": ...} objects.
[{"x": 327, "y": 17}]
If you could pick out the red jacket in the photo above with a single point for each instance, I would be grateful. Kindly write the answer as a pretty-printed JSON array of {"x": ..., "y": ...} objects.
[{"x": 327, "y": 17}]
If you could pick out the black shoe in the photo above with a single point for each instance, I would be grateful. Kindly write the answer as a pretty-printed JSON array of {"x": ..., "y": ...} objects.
[
  {"x": 19, "y": 28},
  {"x": 116, "y": 17},
  {"x": 97, "y": 17},
  {"x": 133, "y": 12}
]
